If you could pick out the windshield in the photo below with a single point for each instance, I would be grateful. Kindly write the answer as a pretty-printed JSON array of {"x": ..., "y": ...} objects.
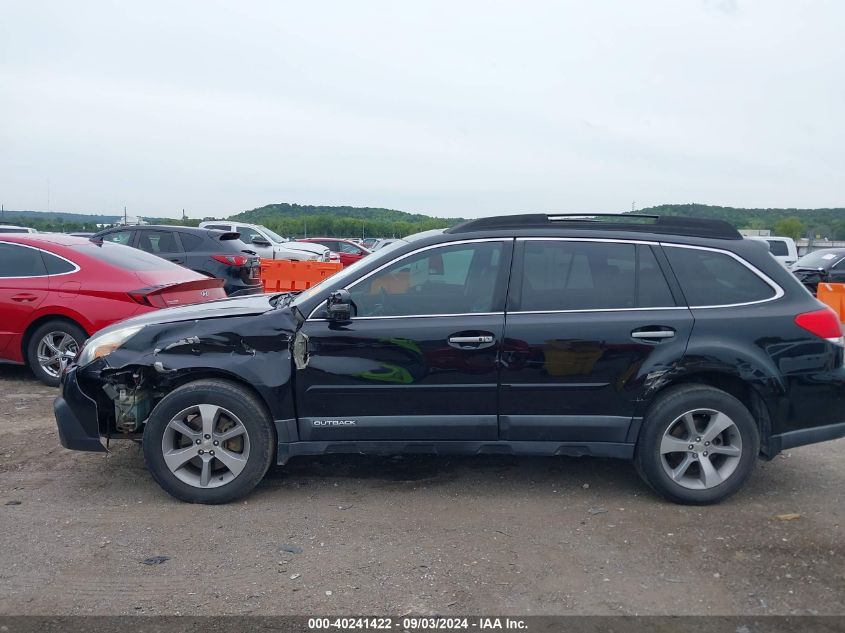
[
  {"x": 819, "y": 259},
  {"x": 273, "y": 236},
  {"x": 381, "y": 255}
]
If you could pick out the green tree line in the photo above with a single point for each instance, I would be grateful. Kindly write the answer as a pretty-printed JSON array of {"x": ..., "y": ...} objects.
[{"x": 795, "y": 223}]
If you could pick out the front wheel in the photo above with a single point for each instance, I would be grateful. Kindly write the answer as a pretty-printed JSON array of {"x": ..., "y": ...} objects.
[
  {"x": 698, "y": 445},
  {"x": 210, "y": 441}
]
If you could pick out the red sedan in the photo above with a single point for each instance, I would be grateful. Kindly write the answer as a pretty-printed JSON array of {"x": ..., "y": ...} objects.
[
  {"x": 57, "y": 290},
  {"x": 349, "y": 252}
]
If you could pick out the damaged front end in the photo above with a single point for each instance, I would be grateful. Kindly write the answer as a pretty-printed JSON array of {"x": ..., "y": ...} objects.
[{"x": 113, "y": 395}]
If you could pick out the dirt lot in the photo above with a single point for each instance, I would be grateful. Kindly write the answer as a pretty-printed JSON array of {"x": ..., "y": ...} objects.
[{"x": 393, "y": 536}]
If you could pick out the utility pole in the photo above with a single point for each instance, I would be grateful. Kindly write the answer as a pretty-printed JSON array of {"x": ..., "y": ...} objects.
[
  {"x": 305, "y": 223},
  {"x": 48, "y": 194},
  {"x": 362, "y": 230},
  {"x": 184, "y": 217},
  {"x": 125, "y": 219},
  {"x": 632, "y": 206}
]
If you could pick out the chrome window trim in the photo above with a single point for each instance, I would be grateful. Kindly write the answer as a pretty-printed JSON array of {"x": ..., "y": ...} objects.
[
  {"x": 421, "y": 316},
  {"x": 779, "y": 292},
  {"x": 611, "y": 240},
  {"x": 76, "y": 267},
  {"x": 591, "y": 310},
  {"x": 405, "y": 256}
]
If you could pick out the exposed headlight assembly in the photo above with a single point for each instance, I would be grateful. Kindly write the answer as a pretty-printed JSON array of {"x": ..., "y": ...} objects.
[{"x": 101, "y": 345}]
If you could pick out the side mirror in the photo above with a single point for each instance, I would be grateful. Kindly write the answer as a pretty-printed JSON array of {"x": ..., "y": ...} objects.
[
  {"x": 339, "y": 305},
  {"x": 259, "y": 241}
]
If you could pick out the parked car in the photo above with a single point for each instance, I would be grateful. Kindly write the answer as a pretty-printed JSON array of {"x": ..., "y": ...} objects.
[
  {"x": 13, "y": 228},
  {"x": 82, "y": 234},
  {"x": 369, "y": 242},
  {"x": 217, "y": 254},
  {"x": 782, "y": 249},
  {"x": 57, "y": 290},
  {"x": 349, "y": 252},
  {"x": 271, "y": 245},
  {"x": 384, "y": 242},
  {"x": 825, "y": 265},
  {"x": 669, "y": 341}
]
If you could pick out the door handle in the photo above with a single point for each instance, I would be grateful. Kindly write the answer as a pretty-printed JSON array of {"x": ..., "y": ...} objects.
[
  {"x": 23, "y": 298},
  {"x": 471, "y": 340},
  {"x": 653, "y": 334}
]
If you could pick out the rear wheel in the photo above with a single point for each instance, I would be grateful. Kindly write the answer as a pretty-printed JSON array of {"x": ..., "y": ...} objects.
[
  {"x": 50, "y": 346},
  {"x": 209, "y": 441},
  {"x": 698, "y": 445}
]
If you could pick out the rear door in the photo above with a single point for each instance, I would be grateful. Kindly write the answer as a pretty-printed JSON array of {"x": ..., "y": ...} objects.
[
  {"x": 587, "y": 321},
  {"x": 418, "y": 361},
  {"x": 24, "y": 285}
]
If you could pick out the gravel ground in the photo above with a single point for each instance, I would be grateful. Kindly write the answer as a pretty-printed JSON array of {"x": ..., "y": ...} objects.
[{"x": 422, "y": 535}]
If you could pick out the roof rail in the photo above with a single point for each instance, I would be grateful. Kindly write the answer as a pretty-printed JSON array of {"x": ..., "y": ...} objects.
[{"x": 636, "y": 222}]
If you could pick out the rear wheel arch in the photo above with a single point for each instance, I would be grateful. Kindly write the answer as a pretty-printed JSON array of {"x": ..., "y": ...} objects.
[
  {"x": 722, "y": 437},
  {"x": 733, "y": 385}
]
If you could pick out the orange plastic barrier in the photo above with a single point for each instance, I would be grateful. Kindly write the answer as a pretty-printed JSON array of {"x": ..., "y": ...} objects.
[
  {"x": 834, "y": 296},
  {"x": 281, "y": 275}
]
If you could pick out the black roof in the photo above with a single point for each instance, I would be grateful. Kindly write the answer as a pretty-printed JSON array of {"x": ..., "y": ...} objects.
[{"x": 639, "y": 223}]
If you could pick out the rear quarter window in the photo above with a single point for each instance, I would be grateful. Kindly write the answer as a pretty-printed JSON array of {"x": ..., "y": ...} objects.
[
  {"x": 710, "y": 278},
  {"x": 190, "y": 241},
  {"x": 56, "y": 265}
]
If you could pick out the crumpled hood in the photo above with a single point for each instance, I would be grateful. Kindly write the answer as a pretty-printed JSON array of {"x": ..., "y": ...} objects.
[{"x": 237, "y": 306}]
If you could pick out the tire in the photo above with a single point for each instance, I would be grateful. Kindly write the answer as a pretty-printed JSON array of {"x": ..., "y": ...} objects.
[
  {"x": 717, "y": 465},
  {"x": 177, "y": 426},
  {"x": 53, "y": 337}
]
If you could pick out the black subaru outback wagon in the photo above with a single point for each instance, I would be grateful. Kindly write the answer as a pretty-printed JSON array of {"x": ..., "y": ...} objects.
[{"x": 671, "y": 342}]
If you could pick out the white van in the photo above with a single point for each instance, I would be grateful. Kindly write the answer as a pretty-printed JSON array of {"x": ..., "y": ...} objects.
[{"x": 782, "y": 249}]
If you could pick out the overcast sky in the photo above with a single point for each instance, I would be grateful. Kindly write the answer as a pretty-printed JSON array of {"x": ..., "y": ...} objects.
[{"x": 453, "y": 108}]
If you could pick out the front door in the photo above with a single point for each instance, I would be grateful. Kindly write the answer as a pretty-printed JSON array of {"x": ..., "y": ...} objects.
[
  {"x": 587, "y": 322},
  {"x": 418, "y": 360}
]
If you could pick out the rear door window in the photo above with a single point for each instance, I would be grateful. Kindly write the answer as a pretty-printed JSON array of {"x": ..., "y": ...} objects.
[
  {"x": 711, "y": 278},
  {"x": 20, "y": 261},
  {"x": 559, "y": 275},
  {"x": 158, "y": 242}
]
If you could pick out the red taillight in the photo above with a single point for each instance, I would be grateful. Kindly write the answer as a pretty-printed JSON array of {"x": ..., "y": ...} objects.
[
  {"x": 149, "y": 297},
  {"x": 230, "y": 260},
  {"x": 823, "y": 323},
  {"x": 141, "y": 297}
]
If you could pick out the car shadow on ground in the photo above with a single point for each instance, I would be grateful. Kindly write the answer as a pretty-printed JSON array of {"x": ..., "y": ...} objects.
[{"x": 473, "y": 471}]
